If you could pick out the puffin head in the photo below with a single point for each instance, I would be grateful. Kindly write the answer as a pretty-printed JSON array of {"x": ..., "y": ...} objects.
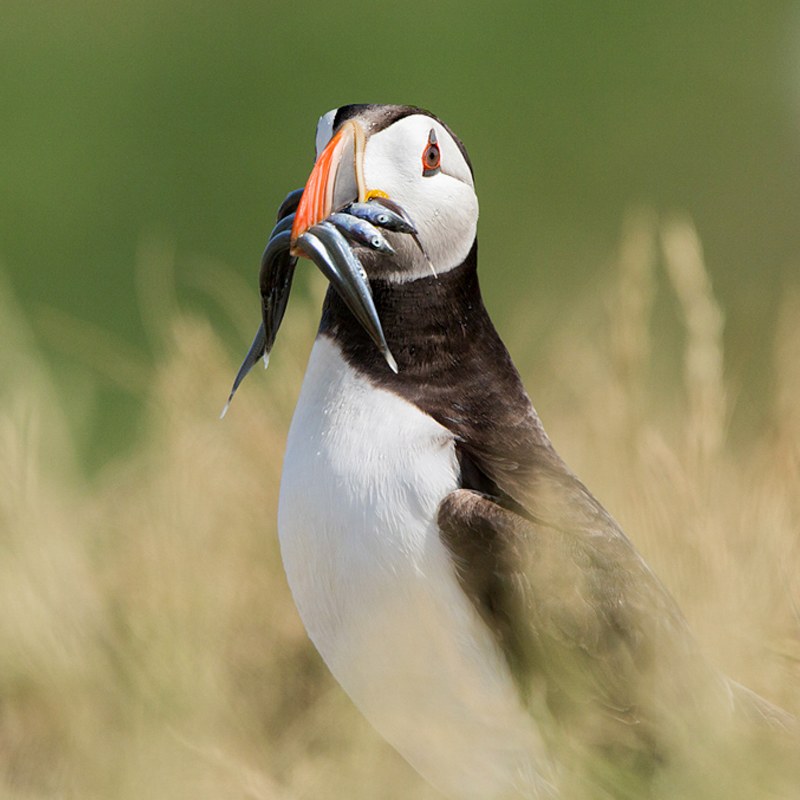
[
  {"x": 391, "y": 197},
  {"x": 409, "y": 156}
]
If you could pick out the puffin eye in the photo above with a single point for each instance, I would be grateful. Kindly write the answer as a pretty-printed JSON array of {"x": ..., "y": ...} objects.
[{"x": 431, "y": 156}]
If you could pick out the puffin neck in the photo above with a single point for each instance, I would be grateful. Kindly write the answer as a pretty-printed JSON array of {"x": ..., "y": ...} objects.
[
  {"x": 454, "y": 367},
  {"x": 430, "y": 323}
]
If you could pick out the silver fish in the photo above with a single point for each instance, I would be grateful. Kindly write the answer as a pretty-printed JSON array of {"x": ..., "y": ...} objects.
[
  {"x": 380, "y": 216},
  {"x": 330, "y": 251},
  {"x": 360, "y": 231}
]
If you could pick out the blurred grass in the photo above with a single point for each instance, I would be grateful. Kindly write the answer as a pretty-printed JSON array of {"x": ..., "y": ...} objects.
[
  {"x": 148, "y": 646},
  {"x": 148, "y": 643}
]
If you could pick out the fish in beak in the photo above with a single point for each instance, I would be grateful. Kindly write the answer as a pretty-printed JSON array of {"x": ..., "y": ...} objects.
[{"x": 321, "y": 222}]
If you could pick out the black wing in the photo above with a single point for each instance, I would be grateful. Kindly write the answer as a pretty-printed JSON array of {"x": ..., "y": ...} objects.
[{"x": 598, "y": 648}]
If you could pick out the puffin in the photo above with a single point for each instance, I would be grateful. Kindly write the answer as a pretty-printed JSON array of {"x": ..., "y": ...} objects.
[{"x": 479, "y": 606}]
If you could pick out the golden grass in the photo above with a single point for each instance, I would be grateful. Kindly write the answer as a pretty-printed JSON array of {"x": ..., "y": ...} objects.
[{"x": 148, "y": 643}]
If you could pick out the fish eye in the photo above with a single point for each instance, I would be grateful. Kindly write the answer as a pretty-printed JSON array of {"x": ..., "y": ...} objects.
[{"x": 431, "y": 156}]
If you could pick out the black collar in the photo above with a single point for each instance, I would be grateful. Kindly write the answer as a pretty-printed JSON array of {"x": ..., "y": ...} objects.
[{"x": 453, "y": 366}]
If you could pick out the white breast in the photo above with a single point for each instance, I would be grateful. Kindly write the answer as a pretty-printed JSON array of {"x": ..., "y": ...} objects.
[{"x": 363, "y": 477}]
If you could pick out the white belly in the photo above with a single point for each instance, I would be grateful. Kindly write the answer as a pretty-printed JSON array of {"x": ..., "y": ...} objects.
[{"x": 363, "y": 477}]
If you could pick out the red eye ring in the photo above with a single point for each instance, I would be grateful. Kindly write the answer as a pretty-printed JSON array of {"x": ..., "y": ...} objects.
[{"x": 431, "y": 156}]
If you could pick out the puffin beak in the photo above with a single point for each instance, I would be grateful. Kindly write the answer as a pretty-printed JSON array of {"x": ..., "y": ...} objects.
[{"x": 336, "y": 180}]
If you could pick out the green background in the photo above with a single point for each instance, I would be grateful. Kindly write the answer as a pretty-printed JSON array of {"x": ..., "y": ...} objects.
[{"x": 177, "y": 127}]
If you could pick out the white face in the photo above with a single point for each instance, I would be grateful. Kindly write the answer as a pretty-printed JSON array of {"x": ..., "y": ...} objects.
[{"x": 441, "y": 202}]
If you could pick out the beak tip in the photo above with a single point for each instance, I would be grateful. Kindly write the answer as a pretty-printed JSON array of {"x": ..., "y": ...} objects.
[{"x": 391, "y": 361}]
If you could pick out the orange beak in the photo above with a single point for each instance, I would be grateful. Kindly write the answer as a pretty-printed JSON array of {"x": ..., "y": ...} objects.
[{"x": 336, "y": 180}]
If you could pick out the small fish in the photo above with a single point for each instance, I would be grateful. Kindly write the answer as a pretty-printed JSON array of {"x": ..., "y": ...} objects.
[
  {"x": 360, "y": 231},
  {"x": 290, "y": 203},
  {"x": 275, "y": 280},
  {"x": 275, "y": 283},
  {"x": 380, "y": 216},
  {"x": 397, "y": 209},
  {"x": 282, "y": 226},
  {"x": 330, "y": 251},
  {"x": 256, "y": 351}
]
